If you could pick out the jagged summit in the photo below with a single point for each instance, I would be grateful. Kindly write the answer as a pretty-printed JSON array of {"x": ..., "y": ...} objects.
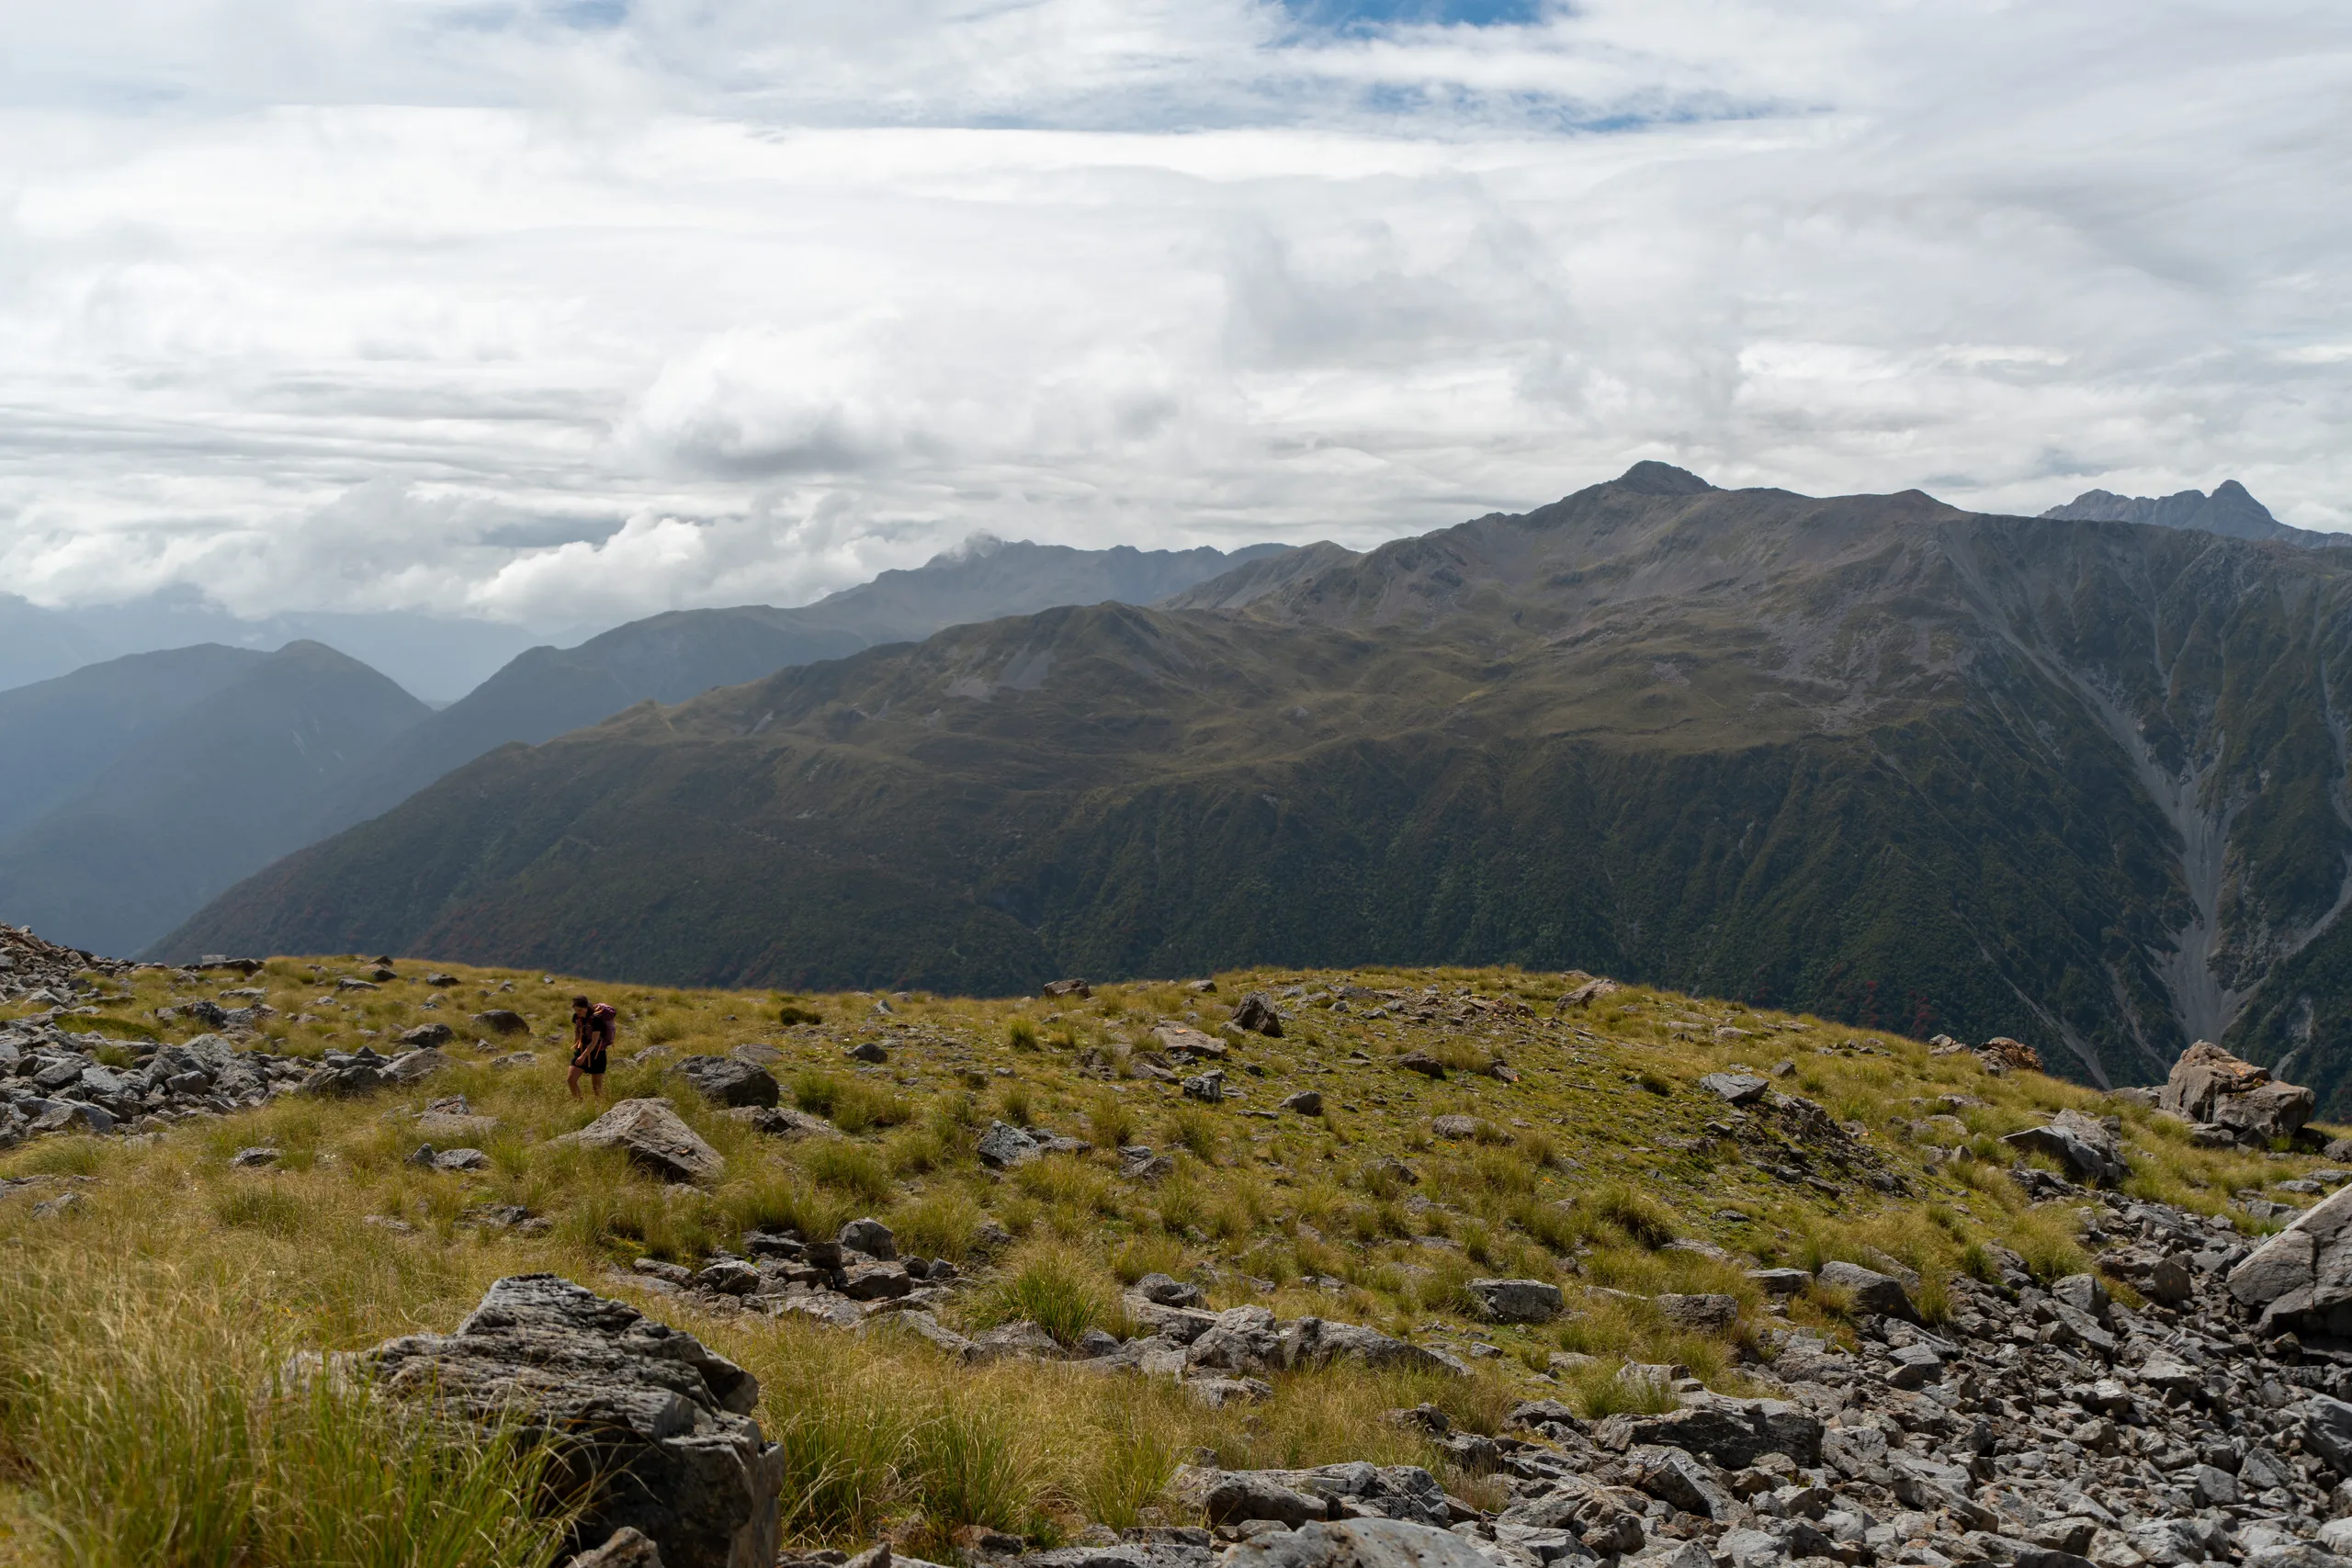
[{"x": 2231, "y": 511}]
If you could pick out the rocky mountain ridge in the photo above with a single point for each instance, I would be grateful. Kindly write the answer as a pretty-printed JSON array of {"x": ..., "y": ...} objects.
[{"x": 2078, "y": 785}]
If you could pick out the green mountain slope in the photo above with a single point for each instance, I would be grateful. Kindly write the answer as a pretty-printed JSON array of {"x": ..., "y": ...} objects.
[
  {"x": 1870, "y": 756},
  {"x": 544, "y": 691}
]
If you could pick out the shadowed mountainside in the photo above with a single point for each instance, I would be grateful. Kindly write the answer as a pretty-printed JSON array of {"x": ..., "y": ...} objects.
[
  {"x": 197, "y": 797},
  {"x": 1868, "y": 755},
  {"x": 545, "y": 692},
  {"x": 57, "y": 736}
]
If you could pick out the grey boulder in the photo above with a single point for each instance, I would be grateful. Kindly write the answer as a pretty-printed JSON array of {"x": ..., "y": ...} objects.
[
  {"x": 1357, "y": 1543},
  {"x": 724, "y": 1080},
  {"x": 1737, "y": 1089},
  {"x": 655, "y": 1428},
  {"x": 1734, "y": 1433},
  {"x": 1515, "y": 1300},
  {"x": 415, "y": 1066},
  {"x": 626, "y": 1548},
  {"x": 1256, "y": 1014},
  {"x": 2086, "y": 1147},
  {"x": 1871, "y": 1291},
  {"x": 2303, "y": 1277},
  {"x": 870, "y": 1237},
  {"x": 2209, "y": 1087},
  {"x": 654, "y": 1138},
  {"x": 1003, "y": 1145}
]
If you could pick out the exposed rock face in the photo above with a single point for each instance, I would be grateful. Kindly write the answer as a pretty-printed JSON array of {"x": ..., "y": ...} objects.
[
  {"x": 661, "y": 1424},
  {"x": 2212, "y": 1088},
  {"x": 503, "y": 1021},
  {"x": 723, "y": 1080},
  {"x": 654, "y": 1138},
  {"x": 2301, "y": 1277}
]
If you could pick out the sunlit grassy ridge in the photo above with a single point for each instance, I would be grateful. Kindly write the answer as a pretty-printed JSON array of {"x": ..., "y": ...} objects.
[{"x": 138, "y": 1327}]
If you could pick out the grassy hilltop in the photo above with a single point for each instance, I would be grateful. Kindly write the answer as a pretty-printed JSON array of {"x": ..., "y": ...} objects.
[{"x": 139, "y": 1322}]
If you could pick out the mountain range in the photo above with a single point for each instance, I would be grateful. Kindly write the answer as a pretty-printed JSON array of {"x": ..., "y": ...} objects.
[
  {"x": 134, "y": 789},
  {"x": 2230, "y": 511},
  {"x": 1870, "y": 756},
  {"x": 545, "y": 692},
  {"x": 437, "y": 657}
]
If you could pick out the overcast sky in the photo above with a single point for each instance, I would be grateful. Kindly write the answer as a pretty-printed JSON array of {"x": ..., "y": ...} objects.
[{"x": 558, "y": 312}]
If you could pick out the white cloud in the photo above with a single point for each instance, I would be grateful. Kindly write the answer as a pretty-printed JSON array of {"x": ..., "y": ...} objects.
[{"x": 545, "y": 312}]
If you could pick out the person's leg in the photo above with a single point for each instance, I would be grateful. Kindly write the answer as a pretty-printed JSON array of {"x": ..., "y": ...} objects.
[
  {"x": 572, "y": 1083},
  {"x": 596, "y": 1084}
]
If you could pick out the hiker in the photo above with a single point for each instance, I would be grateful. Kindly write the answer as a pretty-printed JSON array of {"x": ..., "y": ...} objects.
[{"x": 593, "y": 1025}]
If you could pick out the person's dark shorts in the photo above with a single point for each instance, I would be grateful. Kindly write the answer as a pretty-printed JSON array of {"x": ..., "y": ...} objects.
[{"x": 593, "y": 1064}]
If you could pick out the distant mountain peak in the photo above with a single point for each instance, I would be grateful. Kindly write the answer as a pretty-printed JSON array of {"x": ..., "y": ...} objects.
[
  {"x": 1649, "y": 477},
  {"x": 2231, "y": 511},
  {"x": 977, "y": 545}
]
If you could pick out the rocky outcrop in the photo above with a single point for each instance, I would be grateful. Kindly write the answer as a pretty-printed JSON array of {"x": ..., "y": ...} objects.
[
  {"x": 2087, "y": 1149},
  {"x": 655, "y": 1138},
  {"x": 2233, "y": 1101},
  {"x": 654, "y": 1427},
  {"x": 2301, "y": 1277},
  {"x": 53, "y": 1080}
]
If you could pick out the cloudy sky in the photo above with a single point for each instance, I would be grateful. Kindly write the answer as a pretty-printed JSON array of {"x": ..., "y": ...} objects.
[{"x": 566, "y": 310}]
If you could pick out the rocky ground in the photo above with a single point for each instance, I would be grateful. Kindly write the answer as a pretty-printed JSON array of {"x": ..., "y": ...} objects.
[
  {"x": 2173, "y": 1393},
  {"x": 2035, "y": 1427}
]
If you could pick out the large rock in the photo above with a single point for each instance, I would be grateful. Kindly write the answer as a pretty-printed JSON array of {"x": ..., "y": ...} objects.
[
  {"x": 2327, "y": 1431},
  {"x": 344, "y": 1077},
  {"x": 1738, "y": 1088},
  {"x": 416, "y": 1066},
  {"x": 1675, "y": 1477},
  {"x": 723, "y": 1080},
  {"x": 1515, "y": 1300},
  {"x": 654, "y": 1138},
  {"x": 1002, "y": 1144},
  {"x": 1733, "y": 1432},
  {"x": 657, "y": 1428},
  {"x": 1255, "y": 1013},
  {"x": 1318, "y": 1342},
  {"x": 2086, "y": 1148},
  {"x": 1357, "y": 1543},
  {"x": 1871, "y": 1291},
  {"x": 2303, "y": 1277},
  {"x": 1402, "y": 1491},
  {"x": 2213, "y": 1088}
]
